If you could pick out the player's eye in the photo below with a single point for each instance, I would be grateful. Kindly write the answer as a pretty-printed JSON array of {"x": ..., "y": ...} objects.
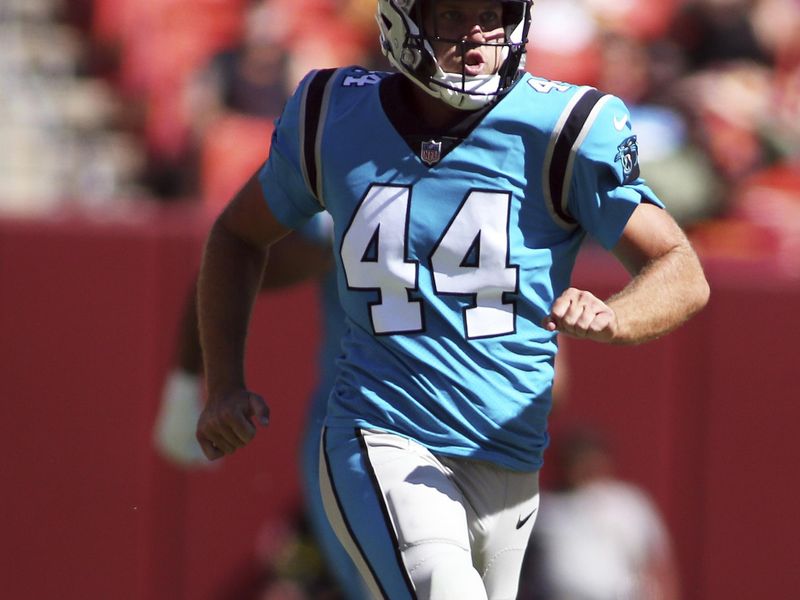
[
  {"x": 451, "y": 17},
  {"x": 490, "y": 19}
]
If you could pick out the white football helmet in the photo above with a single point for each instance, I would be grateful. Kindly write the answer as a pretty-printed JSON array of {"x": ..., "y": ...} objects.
[{"x": 408, "y": 47}]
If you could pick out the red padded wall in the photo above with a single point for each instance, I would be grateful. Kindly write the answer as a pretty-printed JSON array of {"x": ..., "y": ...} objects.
[
  {"x": 702, "y": 419},
  {"x": 88, "y": 314},
  {"x": 77, "y": 334}
]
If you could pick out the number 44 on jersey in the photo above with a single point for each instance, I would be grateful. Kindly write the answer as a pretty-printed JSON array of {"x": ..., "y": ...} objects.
[{"x": 470, "y": 259}]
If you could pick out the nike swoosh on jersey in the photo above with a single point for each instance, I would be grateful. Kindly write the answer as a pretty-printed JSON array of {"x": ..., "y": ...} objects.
[
  {"x": 521, "y": 521},
  {"x": 619, "y": 124}
]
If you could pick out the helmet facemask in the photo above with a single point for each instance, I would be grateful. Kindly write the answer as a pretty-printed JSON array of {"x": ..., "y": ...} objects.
[{"x": 410, "y": 48}]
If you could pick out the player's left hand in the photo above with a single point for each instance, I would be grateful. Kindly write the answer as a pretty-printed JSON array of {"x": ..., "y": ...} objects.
[{"x": 580, "y": 314}]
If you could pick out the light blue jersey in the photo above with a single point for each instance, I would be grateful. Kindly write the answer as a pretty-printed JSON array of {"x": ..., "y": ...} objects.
[{"x": 449, "y": 258}]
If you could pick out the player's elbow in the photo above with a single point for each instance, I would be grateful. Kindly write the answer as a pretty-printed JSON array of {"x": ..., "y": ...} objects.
[
  {"x": 703, "y": 292},
  {"x": 698, "y": 290}
]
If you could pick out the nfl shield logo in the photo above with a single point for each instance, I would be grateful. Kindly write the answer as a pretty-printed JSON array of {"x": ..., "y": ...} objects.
[{"x": 431, "y": 152}]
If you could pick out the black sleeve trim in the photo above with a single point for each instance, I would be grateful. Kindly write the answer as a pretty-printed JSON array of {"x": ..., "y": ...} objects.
[
  {"x": 313, "y": 109},
  {"x": 566, "y": 134}
]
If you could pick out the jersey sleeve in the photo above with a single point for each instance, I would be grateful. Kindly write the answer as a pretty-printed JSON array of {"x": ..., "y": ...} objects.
[
  {"x": 605, "y": 184},
  {"x": 282, "y": 181}
]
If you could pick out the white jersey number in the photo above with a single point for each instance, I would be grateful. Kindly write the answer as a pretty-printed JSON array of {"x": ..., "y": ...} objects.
[
  {"x": 374, "y": 257},
  {"x": 471, "y": 258},
  {"x": 545, "y": 86}
]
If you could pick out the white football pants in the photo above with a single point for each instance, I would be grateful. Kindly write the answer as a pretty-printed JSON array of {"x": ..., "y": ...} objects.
[{"x": 424, "y": 526}]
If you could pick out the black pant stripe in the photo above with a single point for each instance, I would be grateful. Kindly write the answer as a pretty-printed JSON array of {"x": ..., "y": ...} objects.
[
  {"x": 364, "y": 558},
  {"x": 387, "y": 519}
]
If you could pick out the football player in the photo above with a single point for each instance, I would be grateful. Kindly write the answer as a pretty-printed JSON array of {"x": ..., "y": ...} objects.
[{"x": 460, "y": 189}]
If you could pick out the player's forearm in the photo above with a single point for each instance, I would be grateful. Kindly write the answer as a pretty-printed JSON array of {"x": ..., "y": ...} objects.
[
  {"x": 229, "y": 281},
  {"x": 663, "y": 295},
  {"x": 188, "y": 357}
]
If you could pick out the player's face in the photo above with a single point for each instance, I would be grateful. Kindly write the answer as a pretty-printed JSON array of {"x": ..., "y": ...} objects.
[{"x": 477, "y": 22}]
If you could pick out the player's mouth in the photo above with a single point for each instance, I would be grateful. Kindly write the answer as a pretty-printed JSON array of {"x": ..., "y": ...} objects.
[{"x": 473, "y": 63}]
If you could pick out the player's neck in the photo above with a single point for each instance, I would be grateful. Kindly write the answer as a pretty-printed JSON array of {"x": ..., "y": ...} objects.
[{"x": 433, "y": 112}]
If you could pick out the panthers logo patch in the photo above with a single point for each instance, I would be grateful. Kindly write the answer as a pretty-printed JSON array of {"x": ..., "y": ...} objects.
[{"x": 628, "y": 155}]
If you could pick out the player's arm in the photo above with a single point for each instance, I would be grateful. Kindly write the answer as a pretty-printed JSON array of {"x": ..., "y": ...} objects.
[
  {"x": 233, "y": 263},
  {"x": 296, "y": 259},
  {"x": 609, "y": 200},
  {"x": 667, "y": 288},
  {"x": 293, "y": 260}
]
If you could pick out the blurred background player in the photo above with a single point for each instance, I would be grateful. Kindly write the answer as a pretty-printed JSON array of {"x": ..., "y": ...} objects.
[{"x": 597, "y": 537}]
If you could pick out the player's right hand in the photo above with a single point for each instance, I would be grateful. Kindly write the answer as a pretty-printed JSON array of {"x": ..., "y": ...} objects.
[{"x": 226, "y": 423}]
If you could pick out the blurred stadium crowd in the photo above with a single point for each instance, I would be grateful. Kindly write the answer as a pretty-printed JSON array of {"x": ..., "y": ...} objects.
[{"x": 110, "y": 100}]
